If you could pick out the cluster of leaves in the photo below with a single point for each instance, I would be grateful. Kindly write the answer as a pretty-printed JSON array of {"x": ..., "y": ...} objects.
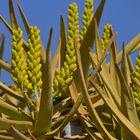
[{"x": 106, "y": 101}]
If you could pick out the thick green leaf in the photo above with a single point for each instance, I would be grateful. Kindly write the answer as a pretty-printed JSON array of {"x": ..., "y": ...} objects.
[
  {"x": 12, "y": 14},
  {"x": 5, "y": 124},
  {"x": 44, "y": 119},
  {"x": 63, "y": 41},
  {"x": 121, "y": 118},
  {"x": 12, "y": 111}
]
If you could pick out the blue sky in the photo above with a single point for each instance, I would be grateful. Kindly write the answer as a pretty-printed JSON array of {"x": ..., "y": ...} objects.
[{"x": 124, "y": 15}]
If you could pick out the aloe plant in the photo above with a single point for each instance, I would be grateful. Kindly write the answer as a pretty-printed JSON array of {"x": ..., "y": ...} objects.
[{"x": 78, "y": 83}]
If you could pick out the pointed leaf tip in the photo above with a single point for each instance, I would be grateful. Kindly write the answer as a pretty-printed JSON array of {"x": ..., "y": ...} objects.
[{"x": 12, "y": 14}]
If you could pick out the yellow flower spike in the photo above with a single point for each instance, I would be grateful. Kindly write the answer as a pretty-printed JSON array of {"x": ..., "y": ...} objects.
[
  {"x": 87, "y": 17},
  {"x": 136, "y": 89},
  {"x": 60, "y": 85},
  {"x": 106, "y": 36},
  {"x": 34, "y": 58},
  {"x": 19, "y": 66}
]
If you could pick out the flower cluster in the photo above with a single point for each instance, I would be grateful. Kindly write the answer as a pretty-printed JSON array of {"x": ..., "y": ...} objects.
[
  {"x": 18, "y": 61},
  {"x": 106, "y": 36},
  {"x": 136, "y": 89},
  {"x": 64, "y": 78},
  {"x": 87, "y": 17},
  {"x": 34, "y": 58}
]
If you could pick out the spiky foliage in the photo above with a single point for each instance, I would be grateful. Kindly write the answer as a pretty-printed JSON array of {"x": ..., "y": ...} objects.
[
  {"x": 108, "y": 109},
  {"x": 106, "y": 36},
  {"x": 136, "y": 89},
  {"x": 87, "y": 17},
  {"x": 34, "y": 58},
  {"x": 64, "y": 78},
  {"x": 18, "y": 60}
]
